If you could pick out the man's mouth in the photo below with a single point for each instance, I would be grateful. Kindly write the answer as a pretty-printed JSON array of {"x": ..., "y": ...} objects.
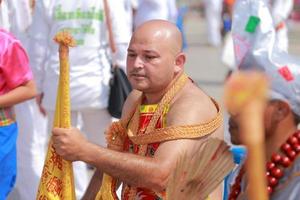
[{"x": 138, "y": 75}]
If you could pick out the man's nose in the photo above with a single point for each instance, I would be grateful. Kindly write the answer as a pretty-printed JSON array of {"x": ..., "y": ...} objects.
[{"x": 138, "y": 62}]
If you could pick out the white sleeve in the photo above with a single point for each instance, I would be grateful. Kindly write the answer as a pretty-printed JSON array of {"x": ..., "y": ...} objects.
[
  {"x": 134, "y": 4},
  {"x": 281, "y": 10},
  {"x": 172, "y": 11},
  {"x": 38, "y": 43},
  {"x": 121, "y": 31},
  {"x": 4, "y": 18},
  {"x": 120, "y": 56},
  {"x": 119, "y": 20}
]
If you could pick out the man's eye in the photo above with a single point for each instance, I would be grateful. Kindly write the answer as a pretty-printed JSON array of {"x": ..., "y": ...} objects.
[
  {"x": 150, "y": 57},
  {"x": 132, "y": 55}
]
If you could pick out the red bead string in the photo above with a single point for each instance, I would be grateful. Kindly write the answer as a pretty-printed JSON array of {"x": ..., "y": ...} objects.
[{"x": 275, "y": 168}]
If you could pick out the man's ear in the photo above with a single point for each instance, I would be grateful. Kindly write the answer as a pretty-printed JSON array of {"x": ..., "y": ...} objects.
[
  {"x": 180, "y": 61},
  {"x": 283, "y": 109}
]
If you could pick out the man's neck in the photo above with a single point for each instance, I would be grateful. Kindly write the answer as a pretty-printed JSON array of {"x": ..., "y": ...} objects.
[
  {"x": 155, "y": 97},
  {"x": 279, "y": 137}
]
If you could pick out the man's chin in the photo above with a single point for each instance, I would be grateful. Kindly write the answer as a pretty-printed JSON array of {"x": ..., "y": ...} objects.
[
  {"x": 138, "y": 85},
  {"x": 140, "y": 88}
]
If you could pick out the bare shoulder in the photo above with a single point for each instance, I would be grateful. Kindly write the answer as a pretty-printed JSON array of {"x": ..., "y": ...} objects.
[
  {"x": 191, "y": 106},
  {"x": 131, "y": 102}
]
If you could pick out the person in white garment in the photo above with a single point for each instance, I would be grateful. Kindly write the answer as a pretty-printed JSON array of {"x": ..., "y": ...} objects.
[
  {"x": 16, "y": 16},
  {"x": 213, "y": 12},
  {"x": 155, "y": 9},
  {"x": 130, "y": 8},
  {"x": 124, "y": 20},
  {"x": 89, "y": 64},
  {"x": 20, "y": 17},
  {"x": 280, "y": 10}
]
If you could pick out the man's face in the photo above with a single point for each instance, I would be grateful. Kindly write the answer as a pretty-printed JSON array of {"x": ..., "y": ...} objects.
[
  {"x": 269, "y": 124},
  {"x": 150, "y": 64}
]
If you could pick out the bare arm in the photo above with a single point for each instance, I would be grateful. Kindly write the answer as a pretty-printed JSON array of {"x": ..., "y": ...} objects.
[
  {"x": 19, "y": 94},
  {"x": 133, "y": 169}
]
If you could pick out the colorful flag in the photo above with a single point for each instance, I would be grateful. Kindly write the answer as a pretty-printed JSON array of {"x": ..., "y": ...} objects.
[{"x": 57, "y": 182}]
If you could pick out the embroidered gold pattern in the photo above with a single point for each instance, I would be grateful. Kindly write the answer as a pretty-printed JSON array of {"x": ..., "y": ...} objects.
[
  {"x": 180, "y": 132},
  {"x": 134, "y": 122},
  {"x": 164, "y": 103},
  {"x": 115, "y": 136}
]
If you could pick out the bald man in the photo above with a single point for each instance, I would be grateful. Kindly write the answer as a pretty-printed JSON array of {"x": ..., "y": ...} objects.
[{"x": 144, "y": 146}]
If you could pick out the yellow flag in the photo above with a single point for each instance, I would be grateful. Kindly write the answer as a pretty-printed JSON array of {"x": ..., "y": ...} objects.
[{"x": 57, "y": 182}]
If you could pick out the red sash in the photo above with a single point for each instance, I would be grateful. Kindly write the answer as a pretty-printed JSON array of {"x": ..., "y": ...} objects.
[{"x": 146, "y": 112}]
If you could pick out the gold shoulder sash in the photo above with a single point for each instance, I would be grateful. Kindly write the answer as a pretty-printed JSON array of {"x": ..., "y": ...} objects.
[
  {"x": 178, "y": 84},
  {"x": 180, "y": 132}
]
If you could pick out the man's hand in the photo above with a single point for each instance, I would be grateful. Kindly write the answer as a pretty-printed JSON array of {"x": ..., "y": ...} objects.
[
  {"x": 68, "y": 143},
  {"x": 39, "y": 99}
]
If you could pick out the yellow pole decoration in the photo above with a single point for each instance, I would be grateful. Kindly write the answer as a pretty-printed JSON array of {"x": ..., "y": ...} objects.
[
  {"x": 107, "y": 189},
  {"x": 57, "y": 177},
  {"x": 246, "y": 95}
]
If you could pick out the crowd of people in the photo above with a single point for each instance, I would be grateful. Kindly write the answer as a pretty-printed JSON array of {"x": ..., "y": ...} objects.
[{"x": 165, "y": 114}]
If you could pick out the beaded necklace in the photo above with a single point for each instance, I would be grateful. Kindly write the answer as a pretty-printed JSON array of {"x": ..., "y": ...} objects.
[{"x": 275, "y": 168}]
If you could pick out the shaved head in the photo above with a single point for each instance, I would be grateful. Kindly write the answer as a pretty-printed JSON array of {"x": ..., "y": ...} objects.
[
  {"x": 154, "y": 57},
  {"x": 161, "y": 31}
]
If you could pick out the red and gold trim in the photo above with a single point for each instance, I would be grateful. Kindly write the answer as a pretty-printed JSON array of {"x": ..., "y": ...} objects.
[{"x": 180, "y": 132}]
